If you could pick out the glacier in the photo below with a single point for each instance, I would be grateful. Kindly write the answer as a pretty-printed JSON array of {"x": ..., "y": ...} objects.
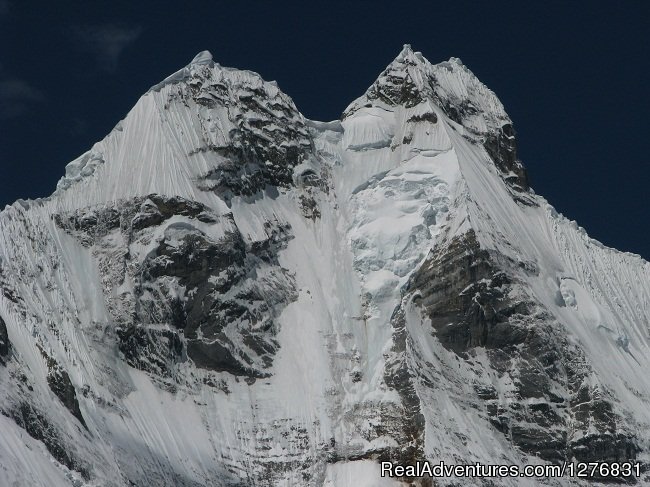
[{"x": 222, "y": 292}]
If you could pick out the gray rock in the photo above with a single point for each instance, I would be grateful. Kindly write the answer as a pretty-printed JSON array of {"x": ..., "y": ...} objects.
[
  {"x": 5, "y": 344},
  {"x": 467, "y": 294}
]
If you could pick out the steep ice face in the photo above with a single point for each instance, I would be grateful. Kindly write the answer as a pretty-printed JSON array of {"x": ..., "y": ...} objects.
[{"x": 223, "y": 291}]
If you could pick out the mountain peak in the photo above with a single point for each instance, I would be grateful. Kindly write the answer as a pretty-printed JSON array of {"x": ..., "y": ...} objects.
[
  {"x": 406, "y": 50},
  {"x": 449, "y": 88},
  {"x": 402, "y": 82},
  {"x": 218, "y": 252},
  {"x": 408, "y": 56},
  {"x": 202, "y": 58}
]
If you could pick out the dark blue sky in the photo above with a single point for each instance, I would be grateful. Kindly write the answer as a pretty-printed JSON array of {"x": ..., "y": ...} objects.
[{"x": 572, "y": 75}]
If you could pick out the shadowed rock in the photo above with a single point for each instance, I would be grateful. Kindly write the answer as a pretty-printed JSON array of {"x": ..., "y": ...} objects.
[
  {"x": 474, "y": 299},
  {"x": 5, "y": 344}
]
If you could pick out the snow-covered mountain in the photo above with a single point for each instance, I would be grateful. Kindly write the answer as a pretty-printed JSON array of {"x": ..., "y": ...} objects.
[{"x": 224, "y": 293}]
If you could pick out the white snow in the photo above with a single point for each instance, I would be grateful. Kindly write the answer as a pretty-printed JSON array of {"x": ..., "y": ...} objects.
[
  {"x": 363, "y": 473},
  {"x": 396, "y": 187}
]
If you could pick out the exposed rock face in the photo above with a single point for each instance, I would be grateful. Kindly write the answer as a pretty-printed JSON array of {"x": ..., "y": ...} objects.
[
  {"x": 223, "y": 293},
  {"x": 502, "y": 148},
  {"x": 266, "y": 136},
  {"x": 192, "y": 288},
  {"x": 38, "y": 427},
  {"x": 154, "y": 350},
  {"x": 5, "y": 345},
  {"x": 400, "y": 377},
  {"x": 395, "y": 86},
  {"x": 553, "y": 410},
  {"x": 410, "y": 81},
  {"x": 467, "y": 298},
  {"x": 60, "y": 384}
]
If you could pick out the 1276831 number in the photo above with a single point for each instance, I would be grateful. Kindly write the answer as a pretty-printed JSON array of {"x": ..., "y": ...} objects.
[{"x": 603, "y": 469}]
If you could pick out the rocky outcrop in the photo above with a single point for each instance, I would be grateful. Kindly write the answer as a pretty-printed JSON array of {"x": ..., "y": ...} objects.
[
  {"x": 553, "y": 411},
  {"x": 92, "y": 224},
  {"x": 267, "y": 136},
  {"x": 213, "y": 295},
  {"x": 5, "y": 344},
  {"x": 395, "y": 86},
  {"x": 155, "y": 350},
  {"x": 60, "y": 384},
  {"x": 467, "y": 298},
  {"x": 37, "y": 425},
  {"x": 194, "y": 294},
  {"x": 400, "y": 376},
  {"x": 501, "y": 146}
]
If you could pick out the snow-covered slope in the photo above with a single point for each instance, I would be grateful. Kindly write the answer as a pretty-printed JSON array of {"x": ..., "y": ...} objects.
[{"x": 222, "y": 292}]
